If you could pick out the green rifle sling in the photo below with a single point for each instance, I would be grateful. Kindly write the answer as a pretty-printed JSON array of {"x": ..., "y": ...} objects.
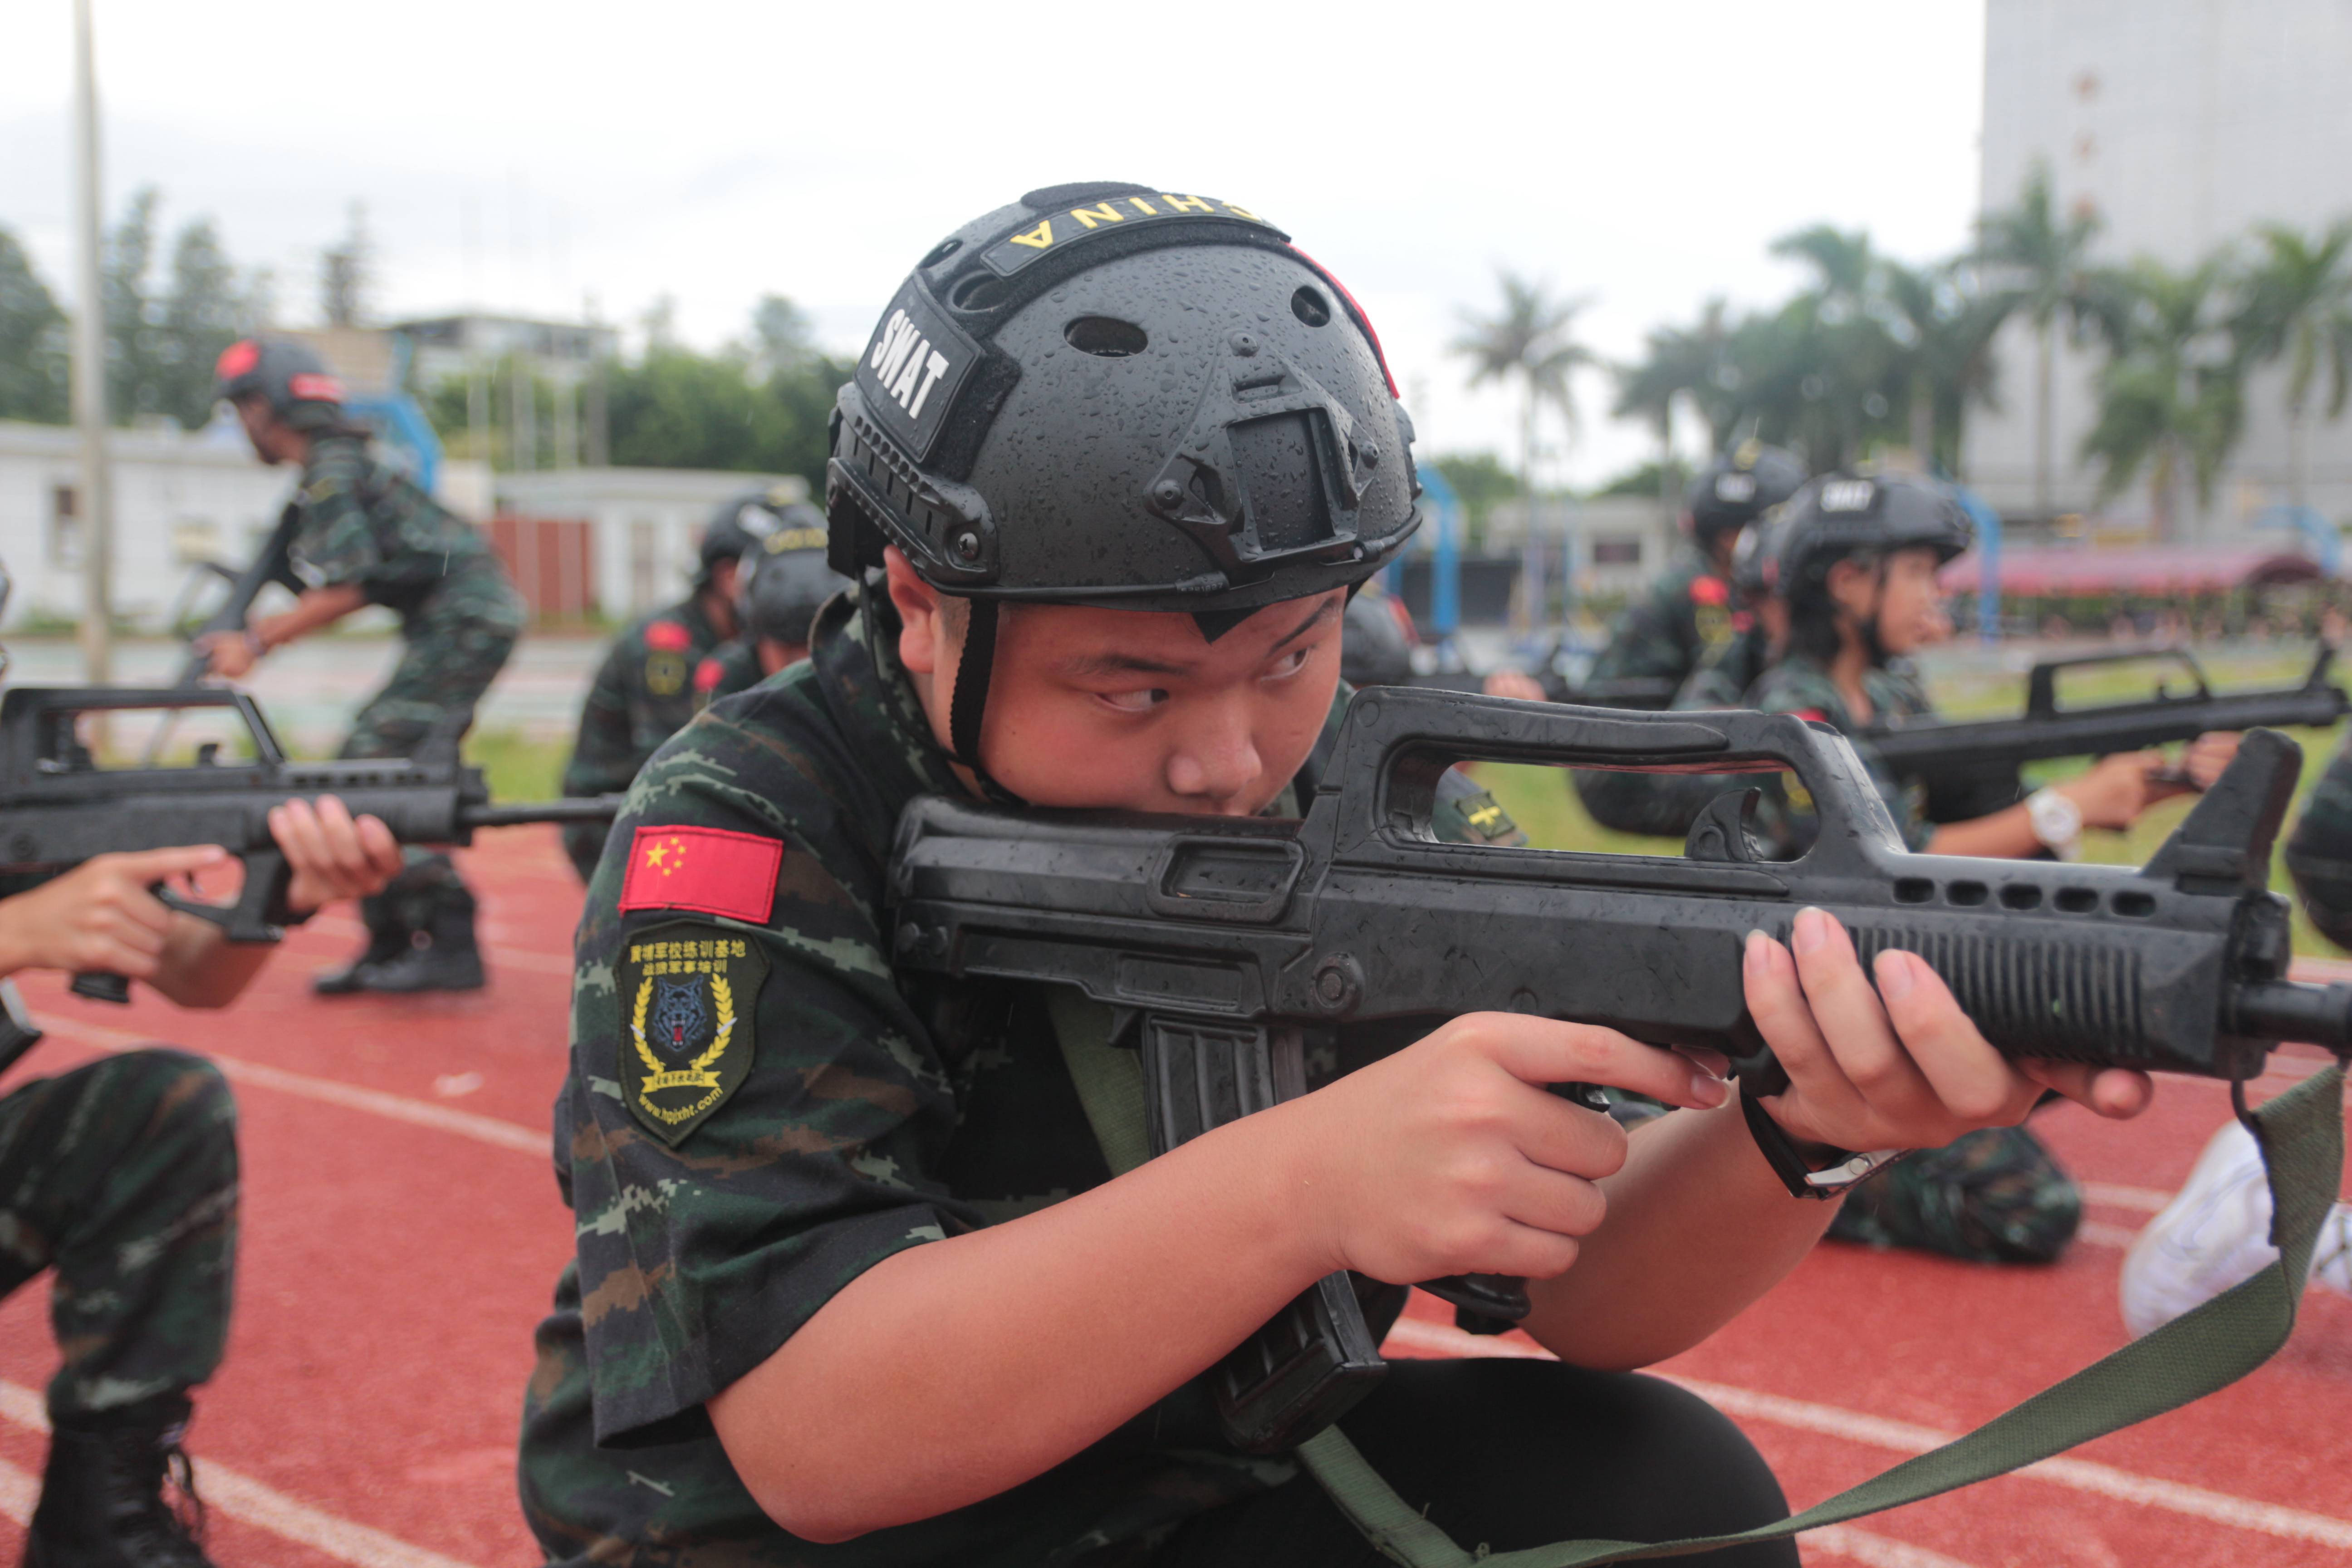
[{"x": 2205, "y": 1350}]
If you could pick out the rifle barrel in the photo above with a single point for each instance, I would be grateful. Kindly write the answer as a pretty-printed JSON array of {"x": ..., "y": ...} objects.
[{"x": 584, "y": 808}]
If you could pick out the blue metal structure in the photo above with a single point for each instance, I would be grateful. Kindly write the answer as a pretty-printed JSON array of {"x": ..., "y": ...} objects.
[
  {"x": 398, "y": 423},
  {"x": 1446, "y": 564},
  {"x": 1987, "y": 523},
  {"x": 2327, "y": 543}
]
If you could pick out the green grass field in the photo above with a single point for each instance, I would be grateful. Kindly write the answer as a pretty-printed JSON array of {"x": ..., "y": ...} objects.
[{"x": 1548, "y": 808}]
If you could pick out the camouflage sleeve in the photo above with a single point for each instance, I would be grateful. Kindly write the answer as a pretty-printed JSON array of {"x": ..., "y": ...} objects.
[
  {"x": 1786, "y": 821},
  {"x": 1653, "y": 640},
  {"x": 2319, "y": 853},
  {"x": 1466, "y": 813},
  {"x": 602, "y": 756},
  {"x": 335, "y": 544},
  {"x": 756, "y": 1112}
]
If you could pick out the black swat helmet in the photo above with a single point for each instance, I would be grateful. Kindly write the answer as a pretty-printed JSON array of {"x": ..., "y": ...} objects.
[
  {"x": 785, "y": 579},
  {"x": 1847, "y": 513},
  {"x": 1372, "y": 647},
  {"x": 1739, "y": 487},
  {"x": 742, "y": 524},
  {"x": 299, "y": 388},
  {"x": 1118, "y": 395}
]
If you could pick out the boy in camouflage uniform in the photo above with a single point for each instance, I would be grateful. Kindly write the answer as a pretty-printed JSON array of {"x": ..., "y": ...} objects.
[
  {"x": 649, "y": 685},
  {"x": 369, "y": 536},
  {"x": 122, "y": 1176},
  {"x": 1690, "y": 617},
  {"x": 1854, "y": 565},
  {"x": 855, "y": 1281}
]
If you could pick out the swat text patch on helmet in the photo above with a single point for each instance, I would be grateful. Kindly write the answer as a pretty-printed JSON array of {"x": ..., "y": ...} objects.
[
  {"x": 913, "y": 368},
  {"x": 688, "y": 994}
]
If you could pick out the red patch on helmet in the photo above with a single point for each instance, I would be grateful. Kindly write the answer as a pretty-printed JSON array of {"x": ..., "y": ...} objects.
[
  {"x": 1813, "y": 715},
  {"x": 238, "y": 358},
  {"x": 668, "y": 637},
  {"x": 309, "y": 386},
  {"x": 708, "y": 674},
  {"x": 1709, "y": 591}
]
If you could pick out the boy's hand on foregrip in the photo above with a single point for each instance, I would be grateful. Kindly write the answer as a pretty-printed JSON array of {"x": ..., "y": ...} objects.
[
  {"x": 99, "y": 916},
  {"x": 1897, "y": 1065},
  {"x": 330, "y": 853},
  {"x": 1451, "y": 1156}
]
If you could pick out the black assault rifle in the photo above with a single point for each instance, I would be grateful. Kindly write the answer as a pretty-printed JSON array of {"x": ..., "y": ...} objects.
[
  {"x": 59, "y": 806},
  {"x": 1970, "y": 755},
  {"x": 275, "y": 564},
  {"x": 1226, "y": 949}
]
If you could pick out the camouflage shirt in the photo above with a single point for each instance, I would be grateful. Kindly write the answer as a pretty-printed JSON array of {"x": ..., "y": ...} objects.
[
  {"x": 364, "y": 522},
  {"x": 758, "y": 1111},
  {"x": 2319, "y": 852},
  {"x": 1664, "y": 634},
  {"x": 733, "y": 667},
  {"x": 1728, "y": 668},
  {"x": 1784, "y": 817},
  {"x": 644, "y": 693}
]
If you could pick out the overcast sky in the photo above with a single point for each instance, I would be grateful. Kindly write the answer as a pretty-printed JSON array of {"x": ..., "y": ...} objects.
[{"x": 547, "y": 159}]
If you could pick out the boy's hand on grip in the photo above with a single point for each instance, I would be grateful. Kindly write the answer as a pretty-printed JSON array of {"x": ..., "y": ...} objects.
[
  {"x": 1897, "y": 1065},
  {"x": 1451, "y": 1156}
]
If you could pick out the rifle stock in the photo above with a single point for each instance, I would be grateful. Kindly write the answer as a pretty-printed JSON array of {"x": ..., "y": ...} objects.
[{"x": 1355, "y": 928}]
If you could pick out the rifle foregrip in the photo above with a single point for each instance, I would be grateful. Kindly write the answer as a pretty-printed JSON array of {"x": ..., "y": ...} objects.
[{"x": 1314, "y": 1359}]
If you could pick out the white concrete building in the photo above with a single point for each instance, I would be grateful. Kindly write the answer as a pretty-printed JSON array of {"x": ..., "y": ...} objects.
[
  {"x": 179, "y": 498},
  {"x": 645, "y": 523},
  {"x": 2182, "y": 123}
]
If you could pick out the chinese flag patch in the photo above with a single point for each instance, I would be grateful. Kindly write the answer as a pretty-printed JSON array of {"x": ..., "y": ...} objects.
[
  {"x": 1709, "y": 591},
  {"x": 707, "y": 870},
  {"x": 668, "y": 637}
]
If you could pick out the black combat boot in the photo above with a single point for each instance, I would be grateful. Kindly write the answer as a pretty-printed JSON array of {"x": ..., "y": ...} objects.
[
  {"x": 102, "y": 1502},
  {"x": 387, "y": 938},
  {"x": 440, "y": 954}
]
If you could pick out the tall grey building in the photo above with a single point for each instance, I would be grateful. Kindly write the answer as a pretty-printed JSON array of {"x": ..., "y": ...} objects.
[{"x": 2182, "y": 123}]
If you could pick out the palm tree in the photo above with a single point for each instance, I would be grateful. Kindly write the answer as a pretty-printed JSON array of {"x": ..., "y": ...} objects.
[
  {"x": 2296, "y": 305},
  {"x": 1682, "y": 363},
  {"x": 1942, "y": 336},
  {"x": 2169, "y": 393},
  {"x": 2036, "y": 262},
  {"x": 1530, "y": 340}
]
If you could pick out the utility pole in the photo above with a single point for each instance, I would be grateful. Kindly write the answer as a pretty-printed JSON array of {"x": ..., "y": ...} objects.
[{"x": 97, "y": 510}]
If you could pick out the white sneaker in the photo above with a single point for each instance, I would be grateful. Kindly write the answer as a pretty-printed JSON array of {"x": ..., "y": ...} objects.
[{"x": 2214, "y": 1234}]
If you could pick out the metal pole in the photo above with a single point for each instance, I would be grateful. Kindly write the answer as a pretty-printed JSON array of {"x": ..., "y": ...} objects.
[{"x": 97, "y": 512}]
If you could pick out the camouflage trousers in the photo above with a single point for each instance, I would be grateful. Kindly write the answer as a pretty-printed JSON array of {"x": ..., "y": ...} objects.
[
  {"x": 1993, "y": 1196},
  {"x": 122, "y": 1176},
  {"x": 457, "y": 641}
]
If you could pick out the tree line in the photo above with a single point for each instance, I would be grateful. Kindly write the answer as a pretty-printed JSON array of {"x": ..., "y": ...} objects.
[{"x": 1873, "y": 352}]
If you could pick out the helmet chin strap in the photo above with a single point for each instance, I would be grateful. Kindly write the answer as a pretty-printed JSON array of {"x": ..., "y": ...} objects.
[{"x": 970, "y": 703}]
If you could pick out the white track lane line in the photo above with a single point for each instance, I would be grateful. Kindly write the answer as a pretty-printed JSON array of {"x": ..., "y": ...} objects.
[
  {"x": 1902, "y": 1436},
  {"x": 20, "y": 1490},
  {"x": 487, "y": 1130},
  {"x": 2147, "y": 1200},
  {"x": 1875, "y": 1551},
  {"x": 241, "y": 1498}
]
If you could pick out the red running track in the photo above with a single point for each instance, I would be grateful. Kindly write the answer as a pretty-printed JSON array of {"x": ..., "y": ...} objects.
[{"x": 402, "y": 1233}]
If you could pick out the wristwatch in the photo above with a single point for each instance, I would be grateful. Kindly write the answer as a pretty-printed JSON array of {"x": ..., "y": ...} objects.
[{"x": 2057, "y": 822}]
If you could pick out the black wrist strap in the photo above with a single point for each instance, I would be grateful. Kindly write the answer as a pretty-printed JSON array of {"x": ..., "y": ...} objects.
[{"x": 1780, "y": 1151}]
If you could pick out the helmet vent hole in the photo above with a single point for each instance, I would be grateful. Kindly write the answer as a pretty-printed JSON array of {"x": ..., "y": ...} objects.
[
  {"x": 1310, "y": 306},
  {"x": 1106, "y": 337},
  {"x": 940, "y": 253},
  {"x": 979, "y": 291}
]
